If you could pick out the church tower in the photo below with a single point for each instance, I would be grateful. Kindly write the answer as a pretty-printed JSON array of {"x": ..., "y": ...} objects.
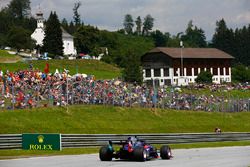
[
  {"x": 40, "y": 19},
  {"x": 38, "y": 34}
]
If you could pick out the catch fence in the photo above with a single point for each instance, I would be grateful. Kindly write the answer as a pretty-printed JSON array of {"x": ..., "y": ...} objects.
[{"x": 41, "y": 93}]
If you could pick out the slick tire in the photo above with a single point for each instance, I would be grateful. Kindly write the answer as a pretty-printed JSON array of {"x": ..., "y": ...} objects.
[
  {"x": 105, "y": 154},
  {"x": 165, "y": 152},
  {"x": 140, "y": 154}
]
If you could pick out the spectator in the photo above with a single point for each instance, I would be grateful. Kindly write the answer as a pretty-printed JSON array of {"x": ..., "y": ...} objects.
[{"x": 217, "y": 130}]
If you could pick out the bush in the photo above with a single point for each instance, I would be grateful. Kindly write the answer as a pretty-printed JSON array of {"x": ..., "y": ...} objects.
[
  {"x": 241, "y": 73},
  {"x": 204, "y": 77}
]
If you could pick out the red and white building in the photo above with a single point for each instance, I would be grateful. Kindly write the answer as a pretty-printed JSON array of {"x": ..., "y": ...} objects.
[{"x": 180, "y": 66}]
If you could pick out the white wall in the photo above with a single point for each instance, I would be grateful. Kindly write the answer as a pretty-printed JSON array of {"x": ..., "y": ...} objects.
[
  {"x": 191, "y": 79},
  {"x": 38, "y": 35},
  {"x": 68, "y": 45}
]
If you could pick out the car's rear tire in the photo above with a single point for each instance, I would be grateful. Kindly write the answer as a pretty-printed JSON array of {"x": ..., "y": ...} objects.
[
  {"x": 140, "y": 154},
  {"x": 165, "y": 152},
  {"x": 105, "y": 153}
]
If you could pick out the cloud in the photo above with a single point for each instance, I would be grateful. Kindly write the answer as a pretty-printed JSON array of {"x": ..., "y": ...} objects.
[
  {"x": 3, "y": 3},
  {"x": 243, "y": 18},
  {"x": 170, "y": 15}
]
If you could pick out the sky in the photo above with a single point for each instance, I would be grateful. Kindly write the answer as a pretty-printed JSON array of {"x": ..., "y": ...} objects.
[{"x": 170, "y": 15}]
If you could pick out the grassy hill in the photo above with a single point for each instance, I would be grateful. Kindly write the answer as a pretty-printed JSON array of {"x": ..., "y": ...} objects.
[
  {"x": 5, "y": 57},
  {"x": 103, "y": 119},
  {"x": 100, "y": 69}
]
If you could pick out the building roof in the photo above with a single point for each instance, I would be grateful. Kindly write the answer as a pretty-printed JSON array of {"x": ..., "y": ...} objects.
[
  {"x": 65, "y": 34},
  {"x": 201, "y": 53}
]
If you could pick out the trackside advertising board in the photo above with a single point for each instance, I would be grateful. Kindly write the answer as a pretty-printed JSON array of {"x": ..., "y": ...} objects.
[{"x": 41, "y": 141}]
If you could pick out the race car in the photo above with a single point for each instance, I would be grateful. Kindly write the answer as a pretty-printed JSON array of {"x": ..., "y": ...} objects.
[{"x": 133, "y": 149}]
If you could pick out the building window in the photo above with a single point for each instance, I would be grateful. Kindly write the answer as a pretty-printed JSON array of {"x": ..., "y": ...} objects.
[
  {"x": 221, "y": 71},
  {"x": 215, "y": 71},
  {"x": 157, "y": 72},
  {"x": 195, "y": 71},
  {"x": 189, "y": 71},
  {"x": 167, "y": 82},
  {"x": 166, "y": 72},
  {"x": 227, "y": 71},
  {"x": 148, "y": 73}
]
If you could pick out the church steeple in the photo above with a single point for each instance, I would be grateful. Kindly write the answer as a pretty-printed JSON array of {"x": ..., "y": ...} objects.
[{"x": 40, "y": 19}]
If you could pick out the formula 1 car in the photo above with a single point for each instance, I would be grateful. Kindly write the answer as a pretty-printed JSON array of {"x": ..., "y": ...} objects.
[{"x": 133, "y": 149}]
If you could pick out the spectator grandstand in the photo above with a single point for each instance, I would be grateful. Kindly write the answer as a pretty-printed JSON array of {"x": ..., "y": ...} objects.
[{"x": 33, "y": 88}]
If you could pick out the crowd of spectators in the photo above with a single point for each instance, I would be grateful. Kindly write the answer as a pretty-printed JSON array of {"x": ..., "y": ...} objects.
[{"x": 33, "y": 88}]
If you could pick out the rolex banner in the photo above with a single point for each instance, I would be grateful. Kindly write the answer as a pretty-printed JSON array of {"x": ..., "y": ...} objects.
[{"x": 41, "y": 141}]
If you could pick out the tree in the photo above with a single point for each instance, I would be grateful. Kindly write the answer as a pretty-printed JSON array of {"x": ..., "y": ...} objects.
[
  {"x": 194, "y": 36},
  {"x": 204, "y": 77},
  {"x": 76, "y": 16},
  {"x": 52, "y": 42},
  {"x": 86, "y": 39},
  {"x": 148, "y": 24},
  {"x": 19, "y": 8},
  {"x": 222, "y": 37},
  {"x": 240, "y": 73},
  {"x": 19, "y": 38},
  {"x": 138, "y": 23},
  {"x": 128, "y": 24},
  {"x": 132, "y": 71},
  {"x": 159, "y": 38},
  {"x": 240, "y": 46},
  {"x": 15, "y": 15},
  {"x": 71, "y": 28},
  {"x": 64, "y": 23}
]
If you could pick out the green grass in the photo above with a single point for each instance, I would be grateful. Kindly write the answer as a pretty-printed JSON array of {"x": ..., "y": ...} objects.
[
  {"x": 99, "y": 69},
  {"x": 6, "y": 57},
  {"x": 9, "y": 154},
  {"x": 92, "y": 119},
  {"x": 220, "y": 93}
]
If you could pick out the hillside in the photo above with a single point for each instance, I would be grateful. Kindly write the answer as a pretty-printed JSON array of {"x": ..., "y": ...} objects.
[
  {"x": 99, "y": 69},
  {"x": 103, "y": 119},
  {"x": 5, "y": 57}
]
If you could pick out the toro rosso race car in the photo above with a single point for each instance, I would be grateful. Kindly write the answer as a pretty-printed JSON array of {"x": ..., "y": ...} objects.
[{"x": 133, "y": 149}]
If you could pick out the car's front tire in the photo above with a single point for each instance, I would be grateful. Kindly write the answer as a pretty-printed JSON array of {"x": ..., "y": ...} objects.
[{"x": 165, "y": 152}]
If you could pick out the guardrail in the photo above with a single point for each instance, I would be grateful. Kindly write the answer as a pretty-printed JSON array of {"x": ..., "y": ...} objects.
[{"x": 14, "y": 141}]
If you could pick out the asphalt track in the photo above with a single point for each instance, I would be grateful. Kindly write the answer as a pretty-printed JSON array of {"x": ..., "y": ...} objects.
[{"x": 204, "y": 157}]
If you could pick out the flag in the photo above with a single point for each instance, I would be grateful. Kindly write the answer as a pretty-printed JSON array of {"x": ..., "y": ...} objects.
[{"x": 46, "y": 69}]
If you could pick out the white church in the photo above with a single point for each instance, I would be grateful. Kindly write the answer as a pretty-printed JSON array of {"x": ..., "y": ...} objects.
[{"x": 39, "y": 34}]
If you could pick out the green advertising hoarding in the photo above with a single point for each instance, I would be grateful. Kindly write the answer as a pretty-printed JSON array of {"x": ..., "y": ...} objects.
[{"x": 41, "y": 141}]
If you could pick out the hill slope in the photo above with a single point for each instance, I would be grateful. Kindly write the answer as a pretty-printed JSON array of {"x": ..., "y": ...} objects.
[
  {"x": 99, "y": 69},
  {"x": 100, "y": 119}
]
